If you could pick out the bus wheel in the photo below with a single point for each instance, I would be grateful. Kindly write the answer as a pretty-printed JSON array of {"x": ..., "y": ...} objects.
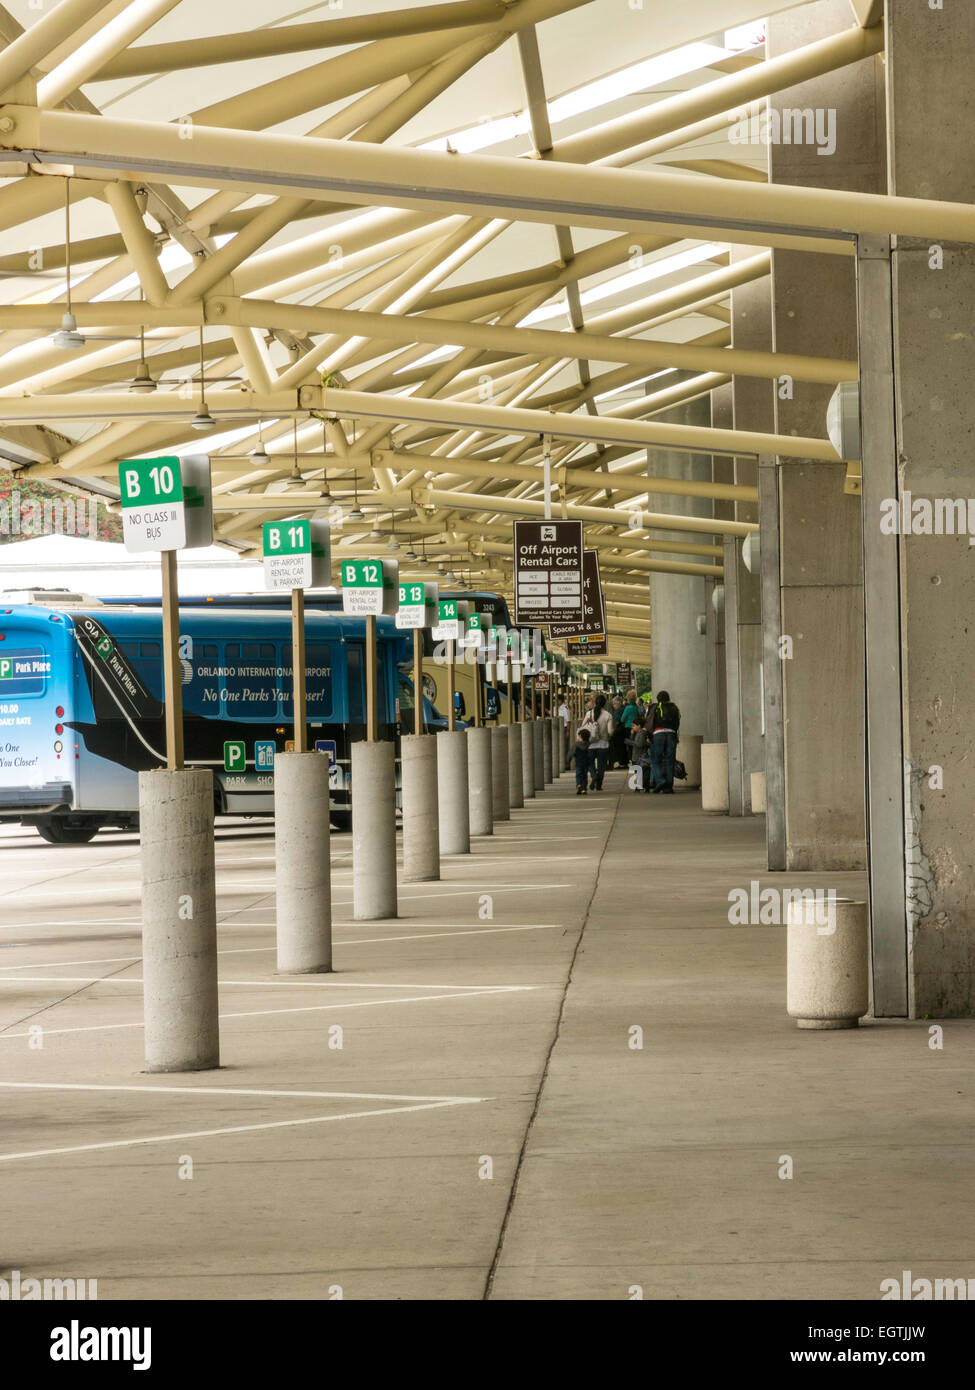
[
  {"x": 56, "y": 833},
  {"x": 341, "y": 820}
]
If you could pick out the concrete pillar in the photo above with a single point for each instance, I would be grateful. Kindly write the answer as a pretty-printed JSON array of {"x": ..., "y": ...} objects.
[
  {"x": 516, "y": 795},
  {"x": 480, "y": 780},
  {"x": 499, "y": 772},
  {"x": 678, "y": 649},
  {"x": 758, "y": 793},
  {"x": 179, "y": 921},
  {"x": 714, "y": 777},
  {"x": 421, "y": 820},
  {"x": 558, "y": 747},
  {"x": 303, "y": 863},
  {"x": 689, "y": 752},
  {"x": 828, "y": 956},
  {"x": 538, "y": 750},
  {"x": 921, "y": 587},
  {"x": 373, "y": 831},
  {"x": 453, "y": 792},
  {"x": 546, "y": 730},
  {"x": 528, "y": 759},
  {"x": 820, "y": 543}
]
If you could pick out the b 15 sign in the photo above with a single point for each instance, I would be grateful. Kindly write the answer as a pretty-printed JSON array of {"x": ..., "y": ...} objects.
[
  {"x": 369, "y": 586},
  {"x": 166, "y": 503},
  {"x": 417, "y": 605},
  {"x": 296, "y": 554}
]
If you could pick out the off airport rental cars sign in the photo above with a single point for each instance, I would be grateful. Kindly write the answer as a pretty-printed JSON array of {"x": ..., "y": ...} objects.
[{"x": 548, "y": 572}]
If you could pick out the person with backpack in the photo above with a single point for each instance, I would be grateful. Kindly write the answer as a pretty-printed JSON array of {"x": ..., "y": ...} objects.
[
  {"x": 664, "y": 727},
  {"x": 599, "y": 723},
  {"x": 639, "y": 746}
]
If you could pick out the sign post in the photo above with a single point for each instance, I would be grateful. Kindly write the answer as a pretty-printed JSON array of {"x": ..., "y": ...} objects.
[
  {"x": 473, "y": 639},
  {"x": 166, "y": 507},
  {"x": 369, "y": 590},
  {"x": 417, "y": 609},
  {"x": 297, "y": 556},
  {"x": 449, "y": 628}
]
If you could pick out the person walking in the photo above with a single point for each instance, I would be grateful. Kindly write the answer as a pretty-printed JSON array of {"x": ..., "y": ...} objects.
[
  {"x": 581, "y": 756},
  {"x": 599, "y": 723},
  {"x": 624, "y": 726},
  {"x": 565, "y": 715},
  {"x": 664, "y": 729}
]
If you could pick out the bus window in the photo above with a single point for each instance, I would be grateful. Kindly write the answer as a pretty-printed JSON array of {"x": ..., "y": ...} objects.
[
  {"x": 318, "y": 681},
  {"x": 145, "y": 659},
  {"x": 252, "y": 678}
]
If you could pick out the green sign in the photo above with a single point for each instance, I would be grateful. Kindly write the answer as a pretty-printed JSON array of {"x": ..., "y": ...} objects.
[
  {"x": 166, "y": 503},
  {"x": 105, "y": 647},
  {"x": 234, "y": 756},
  {"x": 297, "y": 554},
  {"x": 474, "y": 636},
  {"x": 417, "y": 605},
  {"x": 450, "y": 624},
  {"x": 369, "y": 586},
  {"x": 6, "y": 668}
]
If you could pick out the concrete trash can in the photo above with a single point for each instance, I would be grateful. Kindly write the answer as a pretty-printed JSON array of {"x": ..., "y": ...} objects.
[{"x": 828, "y": 962}]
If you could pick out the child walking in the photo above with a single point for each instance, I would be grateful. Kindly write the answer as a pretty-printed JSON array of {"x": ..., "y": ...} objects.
[{"x": 583, "y": 758}]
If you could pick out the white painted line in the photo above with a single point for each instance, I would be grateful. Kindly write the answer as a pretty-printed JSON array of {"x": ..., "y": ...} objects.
[
  {"x": 301, "y": 1009},
  {"x": 224, "y": 1091},
  {"x": 254, "y": 950},
  {"x": 259, "y": 984},
  {"x": 235, "y": 1129}
]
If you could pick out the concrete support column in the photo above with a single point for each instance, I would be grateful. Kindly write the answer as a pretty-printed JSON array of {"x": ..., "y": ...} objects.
[
  {"x": 373, "y": 831},
  {"x": 528, "y": 759},
  {"x": 303, "y": 863},
  {"x": 453, "y": 792},
  {"x": 558, "y": 747},
  {"x": 678, "y": 649},
  {"x": 421, "y": 820},
  {"x": 499, "y": 772},
  {"x": 179, "y": 921},
  {"x": 917, "y": 350},
  {"x": 516, "y": 795},
  {"x": 480, "y": 780},
  {"x": 538, "y": 750},
  {"x": 821, "y": 574},
  {"x": 546, "y": 731}
]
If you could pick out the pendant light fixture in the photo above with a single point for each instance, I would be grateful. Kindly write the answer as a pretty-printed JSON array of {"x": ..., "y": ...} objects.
[
  {"x": 202, "y": 420},
  {"x": 67, "y": 337}
]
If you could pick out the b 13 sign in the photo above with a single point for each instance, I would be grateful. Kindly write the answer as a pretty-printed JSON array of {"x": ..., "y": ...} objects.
[
  {"x": 296, "y": 554},
  {"x": 417, "y": 605},
  {"x": 166, "y": 503}
]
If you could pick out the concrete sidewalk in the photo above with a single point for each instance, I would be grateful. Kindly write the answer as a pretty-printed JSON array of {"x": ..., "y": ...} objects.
[{"x": 658, "y": 1169}]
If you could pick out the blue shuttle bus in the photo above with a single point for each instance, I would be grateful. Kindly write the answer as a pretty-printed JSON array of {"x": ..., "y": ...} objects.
[{"x": 81, "y": 709}]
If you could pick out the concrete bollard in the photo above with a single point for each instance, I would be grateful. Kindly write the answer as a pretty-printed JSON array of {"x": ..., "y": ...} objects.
[
  {"x": 528, "y": 760},
  {"x": 547, "y": 749},
  {"x": 480, "y": 780},
  {"x": 421, "y": 819},
  {"x": 516, "y": 792},
  {"x": 828, "y": 961},
  {"x": 453, "y": 795},
  {"x": 499, "y": 773},
  {"x": 303, "y": 863},
  {"x": 179, "y": 921},
  {"x": 758, "y": 793},
  {"x": 538, "y": 753},
  {"x": 714, "y": 777},
  {"x": 689, "y": 752},
  {"x": 558, "y": 752},
  {"x": 373, "y": 831}
]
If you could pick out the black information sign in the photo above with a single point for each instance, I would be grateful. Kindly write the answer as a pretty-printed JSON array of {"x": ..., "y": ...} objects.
[
  {"x": 588, "y": 646},
  {"x": 548, "y": 572},
  {"x": 593, "y": 623},
  {"x": 624, "y": 675}
]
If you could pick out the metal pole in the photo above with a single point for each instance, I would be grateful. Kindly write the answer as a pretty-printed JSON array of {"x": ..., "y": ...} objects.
[
  {"x": 372, "y": 682},
  {"x": 418, "y": 720},
  {"x": 298, "y": 670},
  {"x": 172, "y": 674}
]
